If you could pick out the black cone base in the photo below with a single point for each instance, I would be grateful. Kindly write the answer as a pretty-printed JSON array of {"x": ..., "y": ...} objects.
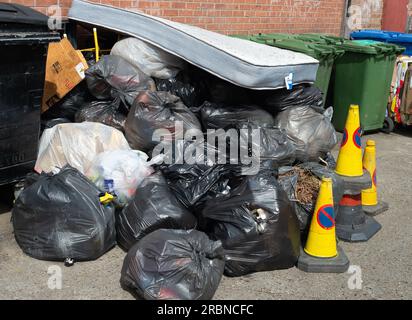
[
  {"x": 381, "y": 207},
  {"x": 357, "y": 184},
  {"x": 338, "y": 264},
  {"x": 358, "y": 233}
]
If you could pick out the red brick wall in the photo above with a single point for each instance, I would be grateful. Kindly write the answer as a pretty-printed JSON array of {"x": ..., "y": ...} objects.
[{"x": 234, "y": 16}]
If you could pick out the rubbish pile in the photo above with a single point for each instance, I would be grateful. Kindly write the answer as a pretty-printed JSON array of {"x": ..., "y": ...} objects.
[{"x": 147, "y": 155}]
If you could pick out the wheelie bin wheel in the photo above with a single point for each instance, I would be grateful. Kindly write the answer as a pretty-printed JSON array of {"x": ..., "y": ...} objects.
[{"x": 388, "y": 125}]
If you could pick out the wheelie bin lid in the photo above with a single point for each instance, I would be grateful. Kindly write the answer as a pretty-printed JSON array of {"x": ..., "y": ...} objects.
[
  {"x": 402, "y": 38},
  {"x": 23, "y": 25},
  {"x": 315, "y": 50},
  {"x": 274, "y": 36},
  {"x": 372, "y": 34},
  {"x": 320, "y": 38},
  {"x": 369, "y": 47},
  {"x": 264, "y": 37}
]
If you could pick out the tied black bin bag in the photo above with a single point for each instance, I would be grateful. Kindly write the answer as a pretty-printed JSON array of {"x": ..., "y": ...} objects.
[
  {"x": 191, "y": 182},
  {"x": 105, "y": 112},
  {"x": 153, "y": 207},
  {"x": 279, "y": 100},
  {"x": 60, "y": 216},
  {"x": 181, "y": 87},
  {"x": 157, "y": 110},
  {"x": 173, "y": 265},
  {"x": 256, "y": 224},
  {"x": 218, "y": 116},
  {"x": 113, "y": 77}
]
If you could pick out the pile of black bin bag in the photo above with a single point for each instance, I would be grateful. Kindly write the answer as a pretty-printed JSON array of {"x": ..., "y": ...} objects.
[{"x": 188, "y": 223}]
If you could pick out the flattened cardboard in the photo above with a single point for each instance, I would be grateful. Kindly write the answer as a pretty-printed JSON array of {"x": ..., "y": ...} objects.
[{"x": 65, "y": 69}]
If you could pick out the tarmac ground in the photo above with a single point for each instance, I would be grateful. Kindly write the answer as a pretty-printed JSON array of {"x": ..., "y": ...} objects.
[{"x": 381, "y": 267}]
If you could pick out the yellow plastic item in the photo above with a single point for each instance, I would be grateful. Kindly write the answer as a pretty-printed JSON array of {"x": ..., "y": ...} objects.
[
  {"x": 106, "y": 198},
  {"x": 96, "y": 44},
  {"x": 370, "y": 196},
  {"x": 321, "y": 241},
  {"x": 349, "y": 161}
]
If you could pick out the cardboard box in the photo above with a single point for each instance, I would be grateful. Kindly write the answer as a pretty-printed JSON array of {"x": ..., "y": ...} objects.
[{"x": 65, "y": 69}]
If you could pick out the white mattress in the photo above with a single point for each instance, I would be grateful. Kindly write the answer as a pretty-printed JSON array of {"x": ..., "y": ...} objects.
[{"x": 242, "y": 62}]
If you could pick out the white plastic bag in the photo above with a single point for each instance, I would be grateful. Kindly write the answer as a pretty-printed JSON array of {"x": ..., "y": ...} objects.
[
  {"x": 151, "y": 60},
  {"x": 121, "y": 172},
  {"x": 76, "y": 144}
]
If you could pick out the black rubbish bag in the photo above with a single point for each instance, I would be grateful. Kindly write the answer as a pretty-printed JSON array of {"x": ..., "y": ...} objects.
[
  {"x": 311, "y": 132},
  {"x": 193, "y": 171},
  {"x": 304, "y": 211},
  {"x": 222, "y": 91},
  {"x": 70, "y": 104},
  {"x": 188, "y": 93},
  {"x": 269, "y": 144},
  {"x": 153, "y": 207},
  {"x": 104, "y": 111},
  {"x": 280, "y": 100},
  {"x": 60, "y": 216},
  {"x": 257, "y": 225},
  {"x": 173, "y": 265},
  {"x": 48, "y": 124},
  {"x": 219, "y": 116},
  {"x": 112, "y": 77},
  {"x": 158, "y": 110}
]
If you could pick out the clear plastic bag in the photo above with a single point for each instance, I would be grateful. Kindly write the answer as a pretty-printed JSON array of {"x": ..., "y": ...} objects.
[
  {"x": 120, "y": 172},
  {"x": 151, "y": 60},
  {"x": 76, "y": 144}
]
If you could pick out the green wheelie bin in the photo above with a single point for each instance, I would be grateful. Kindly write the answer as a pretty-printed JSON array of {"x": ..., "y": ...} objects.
[
  {"x": 363, "y": 76},
  {"x": 326, "y": 56}
]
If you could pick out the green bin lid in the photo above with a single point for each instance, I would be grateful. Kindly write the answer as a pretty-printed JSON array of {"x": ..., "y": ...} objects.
[
  {"x": 257, "y": 39},
  {"x": 274, "y": 36},
  {"x": 367, "y": 47},
  {"x": 320, "y": 38},
  {"x": 388, "y": 46},
  {"x": 316, "y": 50}
]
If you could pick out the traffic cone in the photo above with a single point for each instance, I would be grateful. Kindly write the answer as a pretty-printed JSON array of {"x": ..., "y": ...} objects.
[
  {"x": 351, "y": 223},
  {"x": 370, "y": 202},
  {"x": 321, "y": 253},
  {"x": 349, "y": 161}
]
